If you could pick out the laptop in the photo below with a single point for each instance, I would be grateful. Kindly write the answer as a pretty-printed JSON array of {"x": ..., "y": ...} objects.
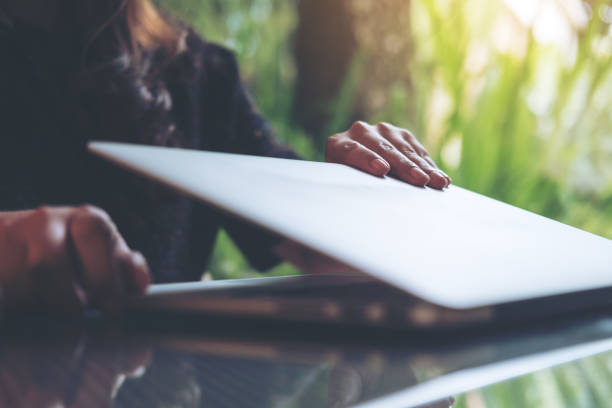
[{"x": 422, "y": 258}]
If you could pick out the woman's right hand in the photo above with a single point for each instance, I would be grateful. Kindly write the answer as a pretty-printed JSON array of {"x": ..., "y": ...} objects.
[{"x": 57, "y": 260}]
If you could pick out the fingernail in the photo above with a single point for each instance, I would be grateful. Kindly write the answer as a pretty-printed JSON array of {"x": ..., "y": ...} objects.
[
  {"x": 443, "y": 178},
  {"x": 446, "y": 176},
  {"x": 379, "y": 166},
  {"x": 419, "y": 177},
  {"x": 141, "y": 274}
]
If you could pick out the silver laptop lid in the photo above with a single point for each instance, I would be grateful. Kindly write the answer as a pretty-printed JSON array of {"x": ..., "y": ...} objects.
[{"x": 454, "y": 248}]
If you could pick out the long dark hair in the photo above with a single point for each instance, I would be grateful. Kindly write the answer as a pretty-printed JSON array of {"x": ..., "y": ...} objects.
[
  {"x": 126, "y": 48},
  {"x": 136, "y": 25}
]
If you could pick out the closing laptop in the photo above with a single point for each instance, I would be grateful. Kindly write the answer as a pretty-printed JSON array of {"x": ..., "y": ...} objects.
[{"x": 423, "y": 258}]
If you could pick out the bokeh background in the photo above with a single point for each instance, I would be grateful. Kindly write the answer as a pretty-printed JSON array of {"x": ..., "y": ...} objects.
[{"x": 513, "y": 98}]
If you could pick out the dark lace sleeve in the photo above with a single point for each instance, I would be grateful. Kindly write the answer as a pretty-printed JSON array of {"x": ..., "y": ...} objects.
[
  {"x": 233, "y": 124},
  {"x": 237, "y": 125}
]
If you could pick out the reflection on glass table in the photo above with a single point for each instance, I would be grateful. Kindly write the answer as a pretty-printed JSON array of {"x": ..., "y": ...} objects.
[{"x": 100, "y": 366}]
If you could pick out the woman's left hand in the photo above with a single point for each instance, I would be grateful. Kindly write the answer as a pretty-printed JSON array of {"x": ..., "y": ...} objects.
[{"x": 383, "y": 149}]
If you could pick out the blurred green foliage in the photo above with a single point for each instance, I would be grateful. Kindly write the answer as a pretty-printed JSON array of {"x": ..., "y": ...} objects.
[
  {"x": 522, "y": 113},
  {"x": 513, "y": 106},
  {"x": 513, "y": 102},
  {"x": 584, "y": 383}
]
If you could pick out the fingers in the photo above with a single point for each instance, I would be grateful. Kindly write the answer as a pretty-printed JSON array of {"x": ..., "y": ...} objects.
[
  {"x": 342, "y": 149},
  {"x": 383, "y": 149},
  {"x": 401, "y": 166},
  {"x": 50, "y": 286},
  {"x": 420, "y": 150},
  {"x": 110, "y": 270},
  {"x": 407, "y": 144},
  {"x": 139, "y": 277},
  {"x": 311, "y": 261}
]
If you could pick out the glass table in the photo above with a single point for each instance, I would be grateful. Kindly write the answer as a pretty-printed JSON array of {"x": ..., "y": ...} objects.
[{"x": 180, "y": 362}]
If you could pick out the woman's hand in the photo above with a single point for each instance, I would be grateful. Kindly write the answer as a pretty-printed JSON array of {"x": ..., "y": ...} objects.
[
  {"x": 310, "y": 261},
  {"x": 383, "y": 149},
  {"x": 59, "y": 259}
]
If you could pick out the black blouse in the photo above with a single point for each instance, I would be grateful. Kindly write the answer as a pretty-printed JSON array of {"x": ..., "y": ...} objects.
[{"x": 43, "y": 158}]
